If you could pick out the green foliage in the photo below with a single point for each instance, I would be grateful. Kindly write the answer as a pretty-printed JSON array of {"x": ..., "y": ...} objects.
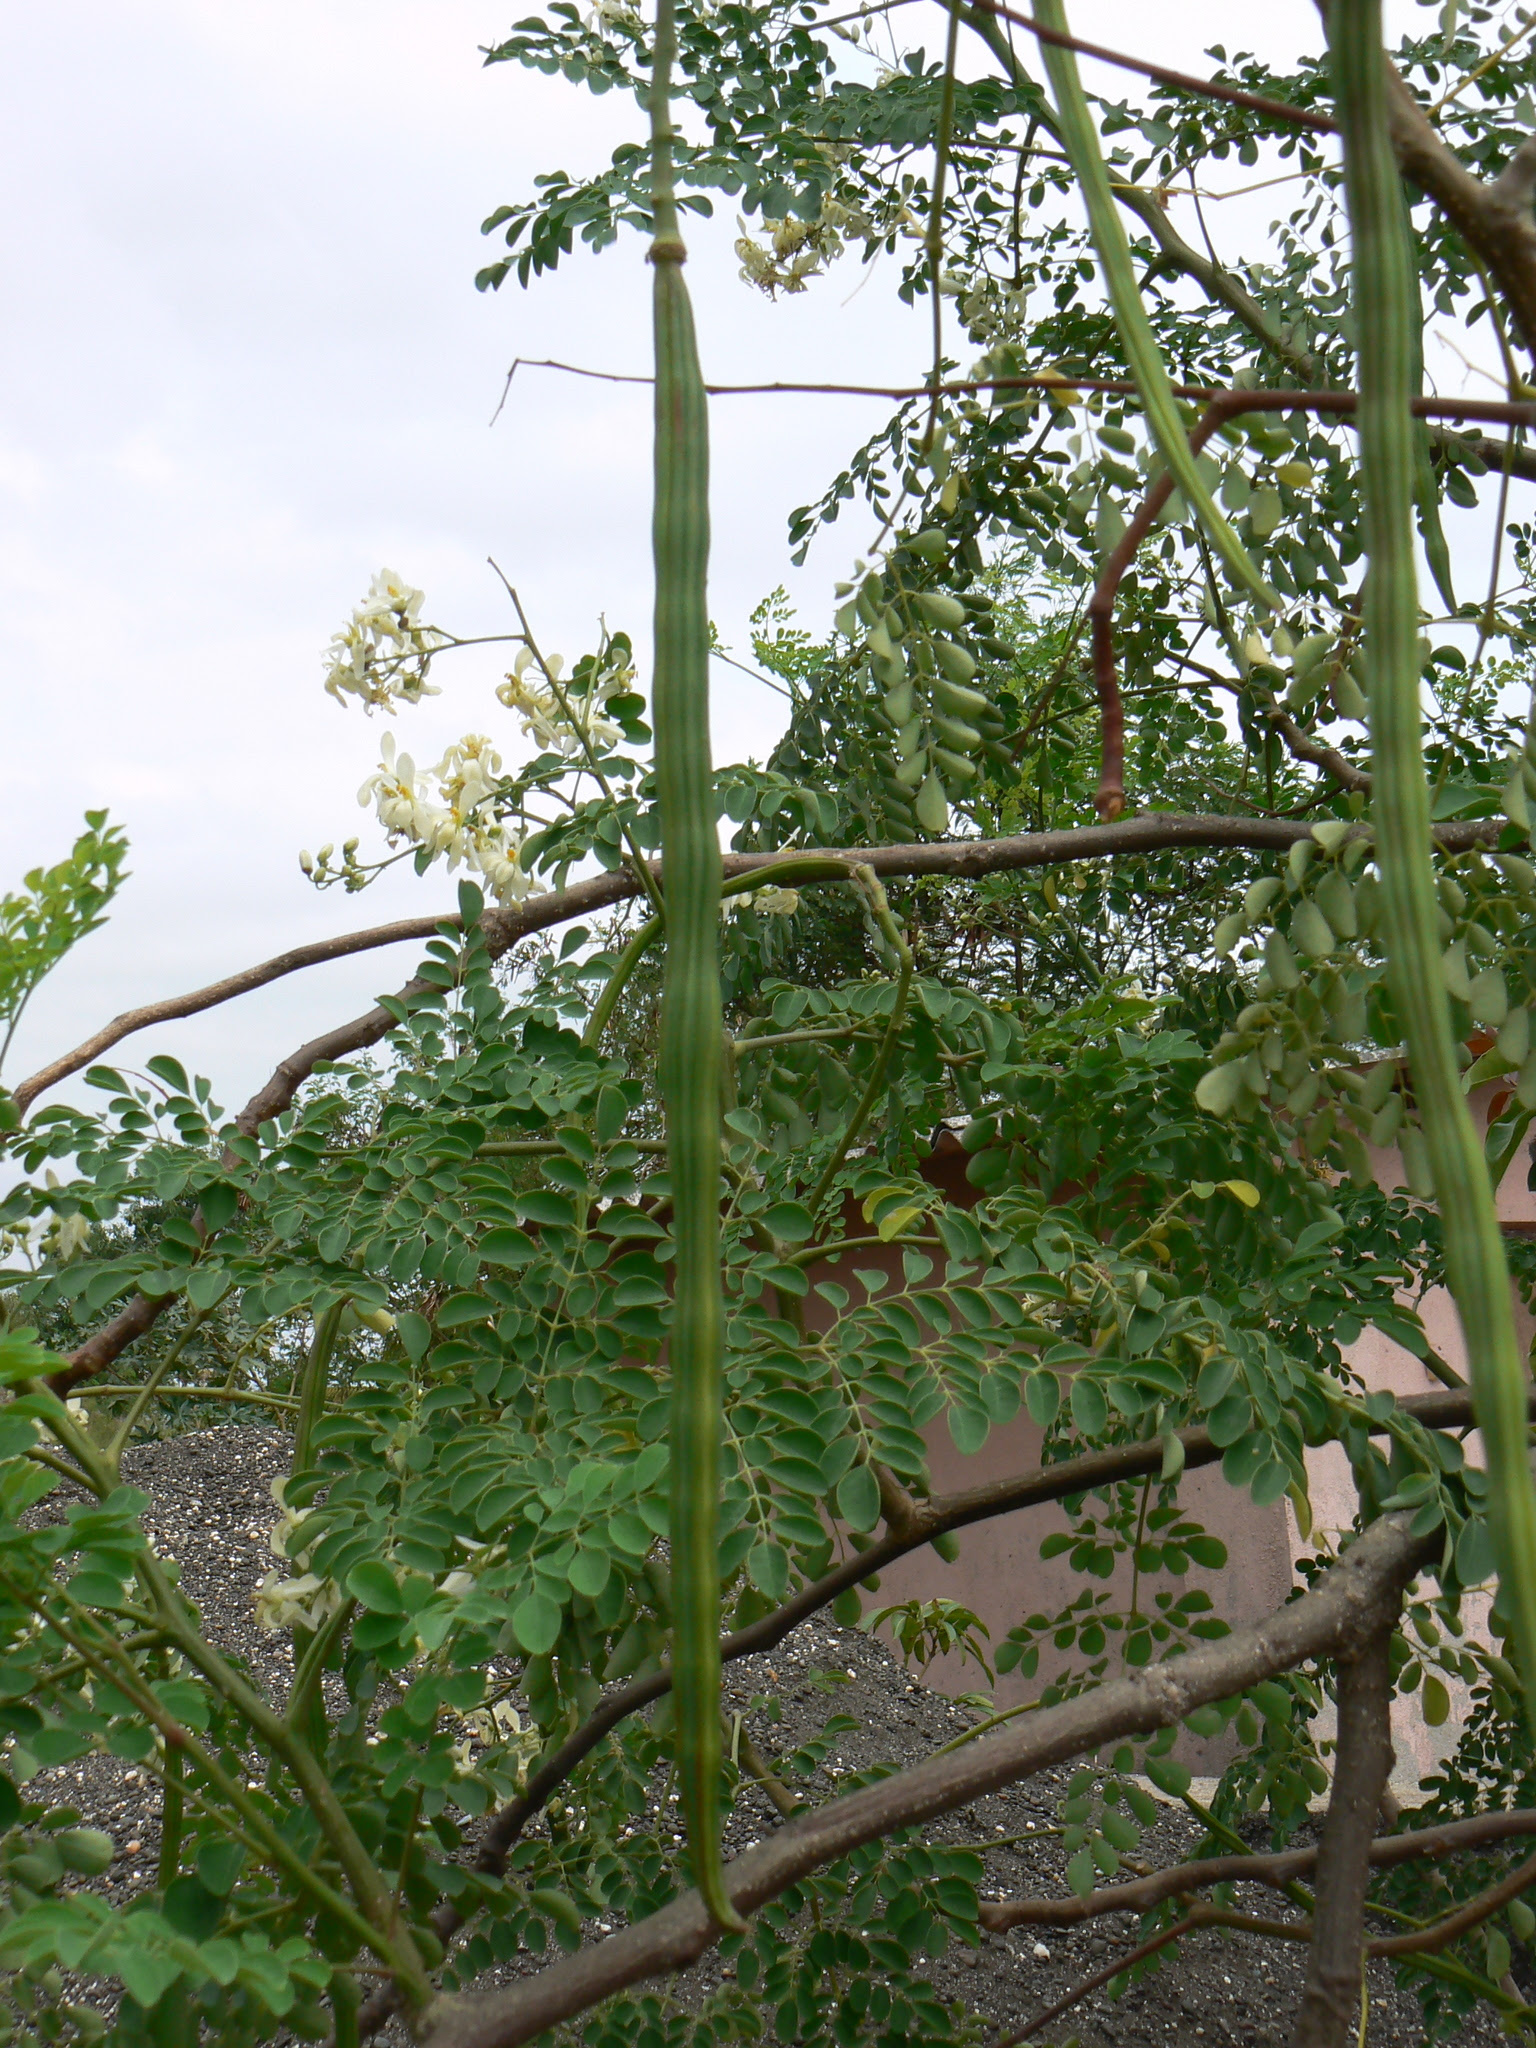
[
  {"x": 54, "y": 909},
  {"x": 1087, "y": 1143}
]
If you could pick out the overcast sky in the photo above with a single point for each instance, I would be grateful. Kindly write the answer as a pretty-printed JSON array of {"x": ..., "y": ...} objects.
[{"x": 244, "y": 365}]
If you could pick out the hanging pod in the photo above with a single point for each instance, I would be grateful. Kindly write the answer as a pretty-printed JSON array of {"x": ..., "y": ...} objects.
[
  {"x": 690, "y": 1063},
  {"x": 1387, "y": 322}
]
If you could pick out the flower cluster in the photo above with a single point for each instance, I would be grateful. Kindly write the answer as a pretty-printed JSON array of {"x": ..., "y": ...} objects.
[
  {"x": 570, "y": 726},
  {"x": 499, "y": 1726},
  {"x": 304, "y": 1602},
  {"x": 798, "y": 250},
  {"x": 384, "y": 653},
  {"x": 456, "y": 818},
  {"x": 772, "y": 902},
  {"x": 301, "y": 1601}
]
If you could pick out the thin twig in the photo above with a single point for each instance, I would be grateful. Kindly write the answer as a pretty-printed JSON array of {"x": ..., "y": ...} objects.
[
  {"x": 1181, "y": 81},
  {"x": 1277, "y": 1872},
  {"x": 1499, "y": 412}
]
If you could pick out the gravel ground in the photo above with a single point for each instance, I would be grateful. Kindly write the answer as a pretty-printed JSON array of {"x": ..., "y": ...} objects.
[{"x": 212, "y": 1509}]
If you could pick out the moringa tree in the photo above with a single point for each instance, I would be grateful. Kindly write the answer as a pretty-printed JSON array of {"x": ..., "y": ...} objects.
[{"x": 1149, "y": 819}]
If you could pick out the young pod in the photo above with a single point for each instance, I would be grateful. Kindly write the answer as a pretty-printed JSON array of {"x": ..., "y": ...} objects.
[
  {"x": 958, "y": 701},
  {"x": 957, "y": 767},
  {"x": 1311, "y": 933},
  {"x": 898, "y": 702},
  {"x": 940, "y": 609},
  {"x": 932, "y": 806},
  {"x": 956, "y": 733},
  {"x": 953, "y": 661}
]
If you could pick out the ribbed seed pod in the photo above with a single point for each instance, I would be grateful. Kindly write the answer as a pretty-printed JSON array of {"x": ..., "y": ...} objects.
[
  {"x": 1386, "y": 316},
  {"x": 690, "y": 1048}
]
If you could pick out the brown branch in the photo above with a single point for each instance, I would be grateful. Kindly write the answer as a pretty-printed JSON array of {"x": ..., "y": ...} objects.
[
  {"x": 297, "y": 957},
  {"x": 1359, "y": 1597},
  {"x": 1034, "y": 1488},
  {"x": 1274, "y": 1871},
  {"x": 962, "y": 859},
  {"x": 955, "y": 859},
  {"x": 1518, "y": 459},
  {"x": 1424, "y": 1941},
  {"x": 1330, "y": 2003},
  {"x": 1511, "y": 412},
  {"x": 1109, "y": 798},
  {"x": 1181, "y": 81},
  {"x": 1316, "y": 755},
  {"x": 109, "y": 1342},
  {"x": 1080, "y": 1991},
  {"x": 757, "y": 1767},
  {"x": 1197, "y": 1917},
  {"x": 1430, "y": 1939},
  {"x": 1494, "y": 220},
  {"x": 1218, "y": 283}
]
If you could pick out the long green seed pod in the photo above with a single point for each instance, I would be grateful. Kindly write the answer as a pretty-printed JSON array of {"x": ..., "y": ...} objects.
[
  {"x": 1079, "y": 139},
  {"x": 690, "y": 1028},
  {"x": 1386, "y": 306}
]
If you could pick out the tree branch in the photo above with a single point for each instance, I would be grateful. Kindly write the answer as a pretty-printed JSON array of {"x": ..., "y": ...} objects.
[
  {"x": 1181, "y": 81},
  {"x": 216, "y": 992},
  {"x": 1316, "y": 755},
  {"x": 963, "y": 859},
  {"x": 1494, "y": 220},
  {"x": 1330, "y": 2004},
  {"x": 1143, "y": 1894},
  {"x": 1429, "y": 1940},
  {"x": 918, "y": 1524},
  {"x": 1359, "y": 1597}
]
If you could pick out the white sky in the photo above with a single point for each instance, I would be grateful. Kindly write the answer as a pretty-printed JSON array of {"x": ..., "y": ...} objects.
[{"x": 244, "y": 365}]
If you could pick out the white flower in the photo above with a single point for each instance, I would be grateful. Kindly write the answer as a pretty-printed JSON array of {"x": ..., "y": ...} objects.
[
  {"x": 456, "y": 819},
  {"x": 305, "y": 1602},
  {"x": 68, "y": 1236},
  {"x": 457, "y": 1584},
  {"x": 545, "y": 719},
  {"x": 776, "y": 902},
  {"x": 798, "y": 249},
  {"x": 282, "y": 1530},
  {"x": 384, "y": 652}
]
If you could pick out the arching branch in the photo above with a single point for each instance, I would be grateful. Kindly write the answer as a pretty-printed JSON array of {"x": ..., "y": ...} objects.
[
  {"x": 1358, "y": 1597},
  {"x": 919, "y": 1523},
  {"x": 1143, "y": 1894}
]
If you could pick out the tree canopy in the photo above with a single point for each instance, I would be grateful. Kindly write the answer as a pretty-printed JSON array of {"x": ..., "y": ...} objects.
[{"x": 1150, "y": 825}]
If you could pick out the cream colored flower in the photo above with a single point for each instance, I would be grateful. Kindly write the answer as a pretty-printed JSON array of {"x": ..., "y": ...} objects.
[
  {"x": 383, "y": 653},
  {"x": 68, "y": 1236},
  {"x": 303, "y": 1602},
  {"x": 457, "y": 819},
  {"x": 567, "y": 728}
]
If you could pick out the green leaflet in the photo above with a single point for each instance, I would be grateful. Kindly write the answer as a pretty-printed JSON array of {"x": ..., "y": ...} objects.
[
  {"x": 690, "y": 1050},
  {"x": 1386, "y": 306},
  {"x": 1080, "y": 141}
]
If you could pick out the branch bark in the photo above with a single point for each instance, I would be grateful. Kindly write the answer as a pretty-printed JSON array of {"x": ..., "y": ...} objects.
[
  {"x": 1494, "y": 220},
  {"x": 954, "y": 859},
  {"x": 1358, "y": 1599},
  {"x": 1330, "y": 2004},
  {"x": 1143, "y": 1894},
  {"x": 924, "y": 1521}
]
